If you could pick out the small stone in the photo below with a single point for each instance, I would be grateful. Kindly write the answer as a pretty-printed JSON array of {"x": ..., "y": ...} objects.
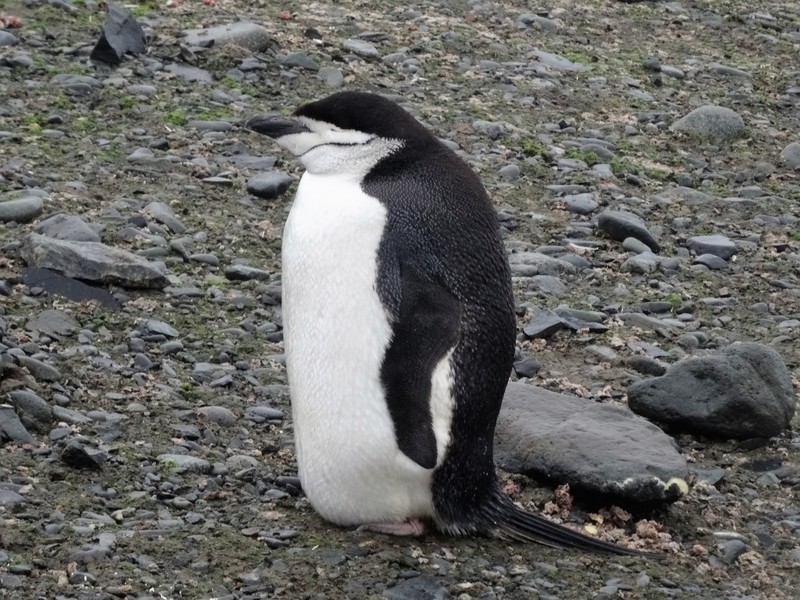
[
  {"x": 32, "y": 405},
  {"x": 509, "y": 172},
  {"x": 245, "y": 273},
  {"x": 12, "y": 428},
  {"x": 163, "y": 214},
  {"x": 790, "y": 155},
  {"x": 269, "y": 185},
  {"x": 361, "y": 47},
  {"x": 244, "y": 34},
  {"x": 714, "y": 123},
  {"x": 156, "y": 326},
  {"x": 300, "y": 60},
  {"x": 218, "y": 415},
  {"x": 619, "y": 225},
  {"x": 527, "y": 367},
  {"x": 331, "y": 76},
  {"x": 718, "y": 245},
  {"x": 544, "y": 324},
  {"x": 712, "y": 261},
  {"x": 580, "y": 204},
  {"x": 21, "y": 209}
]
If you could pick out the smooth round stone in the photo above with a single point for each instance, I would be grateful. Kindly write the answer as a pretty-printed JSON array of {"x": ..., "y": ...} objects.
[
  {"x": 331, "y": 77},
  {"x": 21, "y": 210},
  {"x": 7, "y": 39},
  {"x": 509, "y": 172},
  {"x": 712, "y": 261},
  {"x": 269, "y": 185},
  {"x": 791, "y": 155},
  {"x": 714, "y": 123}
]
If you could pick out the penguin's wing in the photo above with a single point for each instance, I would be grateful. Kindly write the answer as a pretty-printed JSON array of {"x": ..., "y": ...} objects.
[{"x": 426, "y": 328}]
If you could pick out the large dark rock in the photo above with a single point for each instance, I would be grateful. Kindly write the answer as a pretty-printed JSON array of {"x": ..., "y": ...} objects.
[
  {"x": 594, "y": 447},
  {"x": 744, "y": 391}
]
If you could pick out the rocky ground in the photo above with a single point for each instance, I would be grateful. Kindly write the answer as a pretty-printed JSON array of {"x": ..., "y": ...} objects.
[{"x": 147, "y": 443}]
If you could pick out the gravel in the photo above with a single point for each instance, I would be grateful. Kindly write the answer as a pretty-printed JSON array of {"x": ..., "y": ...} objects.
[{"x": 146, "y": 436}]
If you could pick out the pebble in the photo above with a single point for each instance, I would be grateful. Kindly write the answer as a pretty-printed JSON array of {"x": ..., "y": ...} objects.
[
  {"x": 361, "y": 47},
  {"x": 621, "y": 225},
  {"x": 718, "y": 245},
  {"x": 269, "y": 185},
  {"x": 331, "y": 76},
  {"x": 21, "y": 209},
  {"x": 300, "y": 60},
  {"x": 245, "y": 34},
  {"x": 790, "y": 155},
  {"x": 713, "y": 123}
]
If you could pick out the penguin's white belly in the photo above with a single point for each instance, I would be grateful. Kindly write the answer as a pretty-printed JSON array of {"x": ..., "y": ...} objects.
[{"x": 336, "y": 333}]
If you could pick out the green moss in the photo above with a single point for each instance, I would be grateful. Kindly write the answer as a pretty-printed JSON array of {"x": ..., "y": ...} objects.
[
  {"x": 590, "y": 158},
  {"x": 176, "y": 117},
  {"x": 534, "y": 148}
]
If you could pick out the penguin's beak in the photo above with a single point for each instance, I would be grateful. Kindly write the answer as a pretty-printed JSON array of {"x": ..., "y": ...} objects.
[{"x": 276, "y": 127}]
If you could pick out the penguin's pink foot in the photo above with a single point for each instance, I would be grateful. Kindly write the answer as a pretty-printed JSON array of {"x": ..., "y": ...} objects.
[{"x": 412, "y": 527}]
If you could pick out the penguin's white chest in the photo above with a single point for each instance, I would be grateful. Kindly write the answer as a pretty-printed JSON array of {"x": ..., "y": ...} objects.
[{"x": 336, "y": 333}]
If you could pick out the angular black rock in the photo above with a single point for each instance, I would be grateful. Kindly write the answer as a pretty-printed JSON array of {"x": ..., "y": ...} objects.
[{"x": 121, "y": 35}]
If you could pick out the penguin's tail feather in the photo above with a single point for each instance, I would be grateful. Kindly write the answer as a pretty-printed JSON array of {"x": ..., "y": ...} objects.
[{"x": 515, "y": 523}]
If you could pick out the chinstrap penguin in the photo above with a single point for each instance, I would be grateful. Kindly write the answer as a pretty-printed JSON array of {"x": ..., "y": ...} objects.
[{"x": 399, "y": 327}]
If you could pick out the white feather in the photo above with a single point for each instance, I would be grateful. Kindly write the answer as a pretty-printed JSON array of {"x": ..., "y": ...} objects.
[{"x": 336, "y": 334}]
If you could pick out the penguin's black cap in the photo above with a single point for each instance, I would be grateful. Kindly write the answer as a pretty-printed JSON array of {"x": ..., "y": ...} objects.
[{"x": 366, "y": 112}]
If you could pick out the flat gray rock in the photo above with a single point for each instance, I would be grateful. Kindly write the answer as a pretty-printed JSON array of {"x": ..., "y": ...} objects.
[
  {"x": 594, "y": 447},
  {"x": 360, "y": 47},
  {"x": 91, "y": 261},
  {"x": 619, "y": 225},
  {"x": 713, "y": 123},
  {"x": 52, "y": 322},
  {"x": 189, "y": 73},
  {"x": 68, "y": 227},
  {"x": 21, "y": 209},
  {"x": 743, "y": 391},
  {"x": 718, "y": 245},
  {"x": 558, "y": 62},
  {"x": 246, "y": 34},
  {"x": 580, "y": 204}
]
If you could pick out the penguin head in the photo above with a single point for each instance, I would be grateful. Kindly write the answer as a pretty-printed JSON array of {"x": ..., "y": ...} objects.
[{"x": 345, "y": 133}]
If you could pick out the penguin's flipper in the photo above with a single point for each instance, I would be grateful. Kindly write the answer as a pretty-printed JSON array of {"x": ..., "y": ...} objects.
[
  {"x": 513, "y": 522},
  {"x": 424, "y": 332}
]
